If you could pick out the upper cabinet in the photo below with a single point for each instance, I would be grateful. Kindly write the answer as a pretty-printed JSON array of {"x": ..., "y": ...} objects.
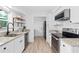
[
  {"x": 74, "y": 14},
  {"x": 19, "y": 22}
]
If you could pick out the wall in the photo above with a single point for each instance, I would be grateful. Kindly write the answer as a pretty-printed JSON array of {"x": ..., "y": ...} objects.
[
  {"x": 39, "y": 26},
  {"x": 30, "y": 23}
]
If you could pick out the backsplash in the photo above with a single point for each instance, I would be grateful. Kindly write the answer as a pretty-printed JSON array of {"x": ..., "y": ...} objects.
[{"x": 71, "y": 30}]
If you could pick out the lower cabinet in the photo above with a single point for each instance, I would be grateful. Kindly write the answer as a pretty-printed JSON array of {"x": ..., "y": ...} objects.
[
  {"x": 65, "y": 48},
  {"x": 14, "y": 46},
  {"x": 7, "y": 48},
  {"x": 19, "y": 44},
  {"x": 75, "y": 49}
]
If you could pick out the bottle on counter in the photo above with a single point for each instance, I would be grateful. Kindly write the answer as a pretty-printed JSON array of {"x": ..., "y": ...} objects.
[{"x": 24, "y": 29}]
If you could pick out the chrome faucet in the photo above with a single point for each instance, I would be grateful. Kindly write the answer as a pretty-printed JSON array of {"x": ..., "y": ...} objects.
[{"x": 8, "y": 27}]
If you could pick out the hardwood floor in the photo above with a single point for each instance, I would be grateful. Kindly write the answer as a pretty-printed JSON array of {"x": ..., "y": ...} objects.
[{"x": 39, "y": 46}]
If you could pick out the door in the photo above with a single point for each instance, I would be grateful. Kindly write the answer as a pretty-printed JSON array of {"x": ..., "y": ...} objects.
[{"x": 39, "y": 26}]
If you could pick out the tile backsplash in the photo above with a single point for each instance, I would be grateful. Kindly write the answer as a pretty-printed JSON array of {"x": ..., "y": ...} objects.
[{"x": 72, "y": 30}]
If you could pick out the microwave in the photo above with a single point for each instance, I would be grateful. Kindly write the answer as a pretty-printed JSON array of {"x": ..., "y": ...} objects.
[{"x": 63, "y": 15}]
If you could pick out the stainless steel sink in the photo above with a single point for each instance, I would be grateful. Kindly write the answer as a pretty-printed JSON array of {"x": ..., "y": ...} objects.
[{"x": 10, "y": 35}]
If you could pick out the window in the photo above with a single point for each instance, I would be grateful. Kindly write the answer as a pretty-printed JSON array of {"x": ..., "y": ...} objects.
[{"x": 3, "y": 18}]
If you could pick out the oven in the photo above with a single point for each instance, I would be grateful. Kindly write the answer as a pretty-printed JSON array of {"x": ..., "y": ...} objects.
[{"x": 55, "y": 42}]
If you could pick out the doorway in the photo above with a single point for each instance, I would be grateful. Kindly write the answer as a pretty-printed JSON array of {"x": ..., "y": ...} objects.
[{"x": 40, "y": 27}]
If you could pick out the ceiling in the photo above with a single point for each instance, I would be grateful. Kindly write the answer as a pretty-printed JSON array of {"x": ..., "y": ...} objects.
[{"x": 34, "y": 9}]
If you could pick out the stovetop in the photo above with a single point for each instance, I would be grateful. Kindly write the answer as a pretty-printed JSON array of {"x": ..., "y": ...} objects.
[{"x": 65, "y": 35}]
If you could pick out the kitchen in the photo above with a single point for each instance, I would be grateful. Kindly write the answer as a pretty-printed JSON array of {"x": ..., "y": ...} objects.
[{"x": 39, "y": 29}]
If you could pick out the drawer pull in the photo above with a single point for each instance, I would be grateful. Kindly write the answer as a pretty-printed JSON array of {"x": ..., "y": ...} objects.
[
  {"x": 63, "y": 45},
  {"x": 20, "y": 41},
  {"x": 4, "y": 48}
]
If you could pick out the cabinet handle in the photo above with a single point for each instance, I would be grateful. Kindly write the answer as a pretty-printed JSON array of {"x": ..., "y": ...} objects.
[
  {"x": 20, "y": 41},
  {"x": 4, "y": 48},
  {"x": 63, "y": 45}
]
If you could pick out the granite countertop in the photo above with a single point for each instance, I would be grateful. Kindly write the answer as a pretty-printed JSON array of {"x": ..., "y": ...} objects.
[
  {"x": 4, "y": 40},
  {"x": 16, "y": 32},
  {"x": 71, "y": 41},
  {"x": 56, "y": 33}
]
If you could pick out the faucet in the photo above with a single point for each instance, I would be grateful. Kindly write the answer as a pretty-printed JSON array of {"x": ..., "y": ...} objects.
[{"x": 8, "y": 27}]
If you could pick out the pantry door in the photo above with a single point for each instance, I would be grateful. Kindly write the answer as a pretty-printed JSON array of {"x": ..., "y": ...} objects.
[{"x": 39, "y": 26}]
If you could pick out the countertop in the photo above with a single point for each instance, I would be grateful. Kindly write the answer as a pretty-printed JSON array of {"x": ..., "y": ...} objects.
[
  {"x": 4, "y": 40},
  {"x": 71, "y": 41}
]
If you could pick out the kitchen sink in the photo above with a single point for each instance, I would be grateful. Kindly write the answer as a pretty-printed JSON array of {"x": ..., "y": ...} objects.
[{"x": 10, "y": 35}]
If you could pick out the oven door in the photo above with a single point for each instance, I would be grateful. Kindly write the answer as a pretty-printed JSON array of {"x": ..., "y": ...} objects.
[{"x": 55, "y": 43}]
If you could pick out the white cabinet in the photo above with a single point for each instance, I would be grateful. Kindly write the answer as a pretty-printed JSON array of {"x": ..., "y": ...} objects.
[
  {"x": 75, "y": 49},
  {"x": 7, "y": 48},
  {"x": 74, "y": 14},
  {"x": 65, "y": 48},
  {"x": 19, "y": 44},
  {"x": 14, "y": 46}
]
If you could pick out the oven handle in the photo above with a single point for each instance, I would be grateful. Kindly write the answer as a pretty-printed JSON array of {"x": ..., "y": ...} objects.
[{"x": 55, "y": 37}]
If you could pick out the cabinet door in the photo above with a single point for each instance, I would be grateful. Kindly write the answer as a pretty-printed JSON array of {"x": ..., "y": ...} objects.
[
  {"x": 74, "y": 14},
  {"x": 55, "y": 43},
  {"x": 65, "y": 48},
  {"x": 75, "y": 49},
  {"x": 7, "y": 48},
  {"x": 19, "y": 44}
]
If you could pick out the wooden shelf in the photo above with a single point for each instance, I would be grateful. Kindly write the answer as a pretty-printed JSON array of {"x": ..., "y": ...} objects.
[
  {"x": 18, "y": 18},
  {"x": 19, "y": 21}
]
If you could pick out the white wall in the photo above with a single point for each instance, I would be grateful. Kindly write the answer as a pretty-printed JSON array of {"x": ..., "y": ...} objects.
[
  {"x": 39, "y": 26},
  {"x": 30, "y": 26},
  {"x": 30, "y": 23}
]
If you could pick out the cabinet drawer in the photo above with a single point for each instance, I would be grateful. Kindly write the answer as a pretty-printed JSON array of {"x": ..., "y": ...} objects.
[{"x": 7, "y": 48}]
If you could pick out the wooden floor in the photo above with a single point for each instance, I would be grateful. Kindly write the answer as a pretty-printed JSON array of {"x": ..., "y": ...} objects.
[{"x": 39, "y": 46}]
